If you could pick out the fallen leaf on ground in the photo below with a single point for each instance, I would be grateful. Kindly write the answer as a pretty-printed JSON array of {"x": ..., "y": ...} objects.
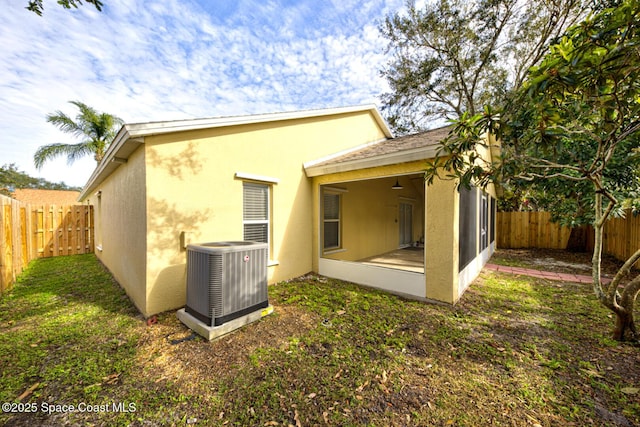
[
  {"x": 359, "y": 389},
  {"x": 592, "y": 373},
  {"x": 111, "y": 379}
]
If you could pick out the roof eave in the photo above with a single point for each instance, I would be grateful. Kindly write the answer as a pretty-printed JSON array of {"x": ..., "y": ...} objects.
[
  {"x": 157, "y": 128},
  {"x": 423, "y": 153},
  {"x": 120, "y": 149}
]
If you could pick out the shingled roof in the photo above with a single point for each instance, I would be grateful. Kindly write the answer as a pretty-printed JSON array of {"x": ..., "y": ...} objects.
[
  {"x": 35, "y": 196},
  {"x": 418, "y": 146}
]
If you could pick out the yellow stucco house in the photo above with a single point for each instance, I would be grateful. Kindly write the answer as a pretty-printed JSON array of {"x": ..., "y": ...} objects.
[{"x": 331, "y": 191}]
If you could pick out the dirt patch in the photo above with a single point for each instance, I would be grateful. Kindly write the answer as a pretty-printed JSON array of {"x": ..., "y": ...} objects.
[
  {"x": 170, "y": 351},
  {"x": 555, "y": 260}
]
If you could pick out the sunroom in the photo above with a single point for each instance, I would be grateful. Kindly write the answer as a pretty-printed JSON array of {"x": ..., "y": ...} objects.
[{"x": 377, "y": 223}]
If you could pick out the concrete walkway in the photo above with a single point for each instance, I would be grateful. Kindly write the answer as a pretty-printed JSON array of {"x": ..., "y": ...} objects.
[{"x": 549, "y": 275}]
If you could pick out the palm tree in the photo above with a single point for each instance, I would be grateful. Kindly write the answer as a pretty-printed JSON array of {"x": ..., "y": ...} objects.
[{"x": 97, "y": 131}]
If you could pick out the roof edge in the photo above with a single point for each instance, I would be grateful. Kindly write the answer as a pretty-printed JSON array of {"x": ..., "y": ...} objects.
[
  {"x": 155, "y": 128},
  {"x": 106, "y": 166},
  {"x": 341, "y": 153},
  {"x": 422, "y": 153},
  {"x": 131, "y": 135}
]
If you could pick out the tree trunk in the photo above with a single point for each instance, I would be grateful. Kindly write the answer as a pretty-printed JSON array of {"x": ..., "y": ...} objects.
[
  {"x": 625, "y": 321},
  {"x": 596, "y": 259},
  {"x": 624, "y": 324}
]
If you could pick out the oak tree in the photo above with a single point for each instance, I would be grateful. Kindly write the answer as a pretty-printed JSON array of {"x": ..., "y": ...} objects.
[
  {"x": 573, "y": 130},
  {"x": 454, "y": 56}
]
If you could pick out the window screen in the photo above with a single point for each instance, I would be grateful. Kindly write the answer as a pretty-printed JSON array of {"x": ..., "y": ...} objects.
[
  {"x": 492, "y": 221},
  {"x": 484, "y": 222},
  {"x": 331, "y": 220},
  {"x": 256, "y": 212},
  {"x": 468, "y": 226}
]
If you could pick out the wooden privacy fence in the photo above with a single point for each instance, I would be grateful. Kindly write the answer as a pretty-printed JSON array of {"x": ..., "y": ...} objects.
[
  {"x": 517, "y": 230},
  {"x": 621, "y": 236},
  {"x": 30, "y": 231}
]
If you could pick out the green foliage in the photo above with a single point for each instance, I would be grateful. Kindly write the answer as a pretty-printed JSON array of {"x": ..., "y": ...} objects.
[
  {"x": 571, "y": 135},
  {"x": 97, "y": 130},
  {"x": 582, "y": 121},
  {"x": 37, "y": 6},
  {"x": 12, "y": 178},
  {"x": 454, "y": 56},
  {"x": 572, "y": 128}
]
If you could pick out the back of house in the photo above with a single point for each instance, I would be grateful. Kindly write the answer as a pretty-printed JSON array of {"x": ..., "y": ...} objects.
[
  {"x": 330, "y": 191},
  {"x": 166, "y": 184}
]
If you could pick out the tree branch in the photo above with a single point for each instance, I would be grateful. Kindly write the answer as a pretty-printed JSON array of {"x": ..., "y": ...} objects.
[{"x": 623, "y": 271}]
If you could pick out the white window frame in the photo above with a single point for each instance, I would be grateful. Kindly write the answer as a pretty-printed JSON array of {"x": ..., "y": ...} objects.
[
  {"x": 338, "y": 220},
  {"x": 266, "y": 221}
]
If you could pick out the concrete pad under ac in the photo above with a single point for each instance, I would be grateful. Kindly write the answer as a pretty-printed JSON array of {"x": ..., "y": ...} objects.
[{"x": 214, "y": 332}]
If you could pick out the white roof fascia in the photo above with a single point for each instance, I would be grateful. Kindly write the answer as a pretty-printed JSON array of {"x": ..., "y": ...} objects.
[
  {"x": 422, "y": 153},
  {"x": 121, "y": 147},
  {"x": 155, "y": 128}
]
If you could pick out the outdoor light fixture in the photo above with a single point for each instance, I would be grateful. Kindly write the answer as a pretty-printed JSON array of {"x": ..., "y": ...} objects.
[{"x": 397, "y": 186}]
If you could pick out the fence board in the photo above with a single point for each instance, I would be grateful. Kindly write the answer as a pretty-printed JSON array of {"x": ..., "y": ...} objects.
[
  {"x": 24, "y": 236},
  {"x": 6, "y": 255},
  {"x": 522, "y": 230},
  {"x": 29, "y": 232}
]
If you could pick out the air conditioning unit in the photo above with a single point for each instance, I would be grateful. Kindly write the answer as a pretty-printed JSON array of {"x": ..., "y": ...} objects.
[{"x": 226, "y": 280}]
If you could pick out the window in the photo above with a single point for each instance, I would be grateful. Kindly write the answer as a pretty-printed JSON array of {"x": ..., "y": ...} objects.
[
  {"x": 492, "y": 222},
  {"x": 256, "y": 212},
  {"x": 468, "y": 226},
  {"x": 331, "y": 220},
  {"x": 484, "y": 222}
]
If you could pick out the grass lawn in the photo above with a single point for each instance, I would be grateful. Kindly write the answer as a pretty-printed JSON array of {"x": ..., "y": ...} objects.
[{"x": 515, "y": 351}]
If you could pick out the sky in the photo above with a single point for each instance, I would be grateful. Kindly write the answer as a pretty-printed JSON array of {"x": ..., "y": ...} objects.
[{"x": 180, "y": 59}]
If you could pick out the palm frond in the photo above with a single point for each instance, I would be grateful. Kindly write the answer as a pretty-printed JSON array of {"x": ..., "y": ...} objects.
[
  {"x": 51, "y": 151},
  {"x": 65, "y": 123},
  {"x": 96, "y": 129}
]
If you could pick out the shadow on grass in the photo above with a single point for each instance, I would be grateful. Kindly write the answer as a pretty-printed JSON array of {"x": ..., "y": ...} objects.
[{"x": 49, "y": 284}]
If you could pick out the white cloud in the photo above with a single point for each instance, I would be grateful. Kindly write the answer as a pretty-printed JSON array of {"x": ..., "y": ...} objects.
[{"x": 170, "y": 59}]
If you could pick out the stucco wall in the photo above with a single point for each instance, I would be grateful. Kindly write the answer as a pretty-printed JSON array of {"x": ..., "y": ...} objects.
[
  {"x": 192, "y": 187},
  {"x": 120, "y": 228},
  {"x": 441, "y": 242}
]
